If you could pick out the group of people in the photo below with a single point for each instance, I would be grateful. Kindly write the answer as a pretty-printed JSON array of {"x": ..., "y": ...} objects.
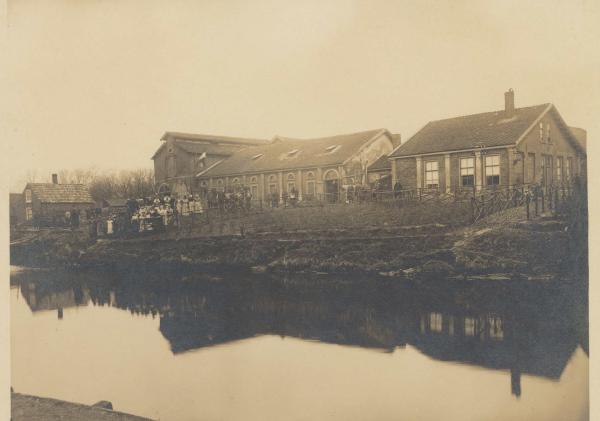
[{"x": 240, "y": 197}]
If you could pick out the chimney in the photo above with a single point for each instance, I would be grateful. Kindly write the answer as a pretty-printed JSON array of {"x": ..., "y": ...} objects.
[
  {"x": 54, "y": 178},
  {"x": 509, "y": 102}
]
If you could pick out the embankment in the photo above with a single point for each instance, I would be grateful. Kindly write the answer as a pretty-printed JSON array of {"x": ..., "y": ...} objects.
[{"x": 503, "y": 244}]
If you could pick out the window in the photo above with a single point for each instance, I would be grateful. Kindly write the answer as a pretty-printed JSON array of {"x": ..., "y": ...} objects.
[
  {"x": 495, "y": 324},
  {"x": 220, "y": 185},
  {"x": 541, "y": 132},
  {"x": 28, "y": 213},
  {"x": 469, "y": 326},
  {"x": 547, "y": 169},
  {"x": 559, "y": 167},
  {"x": 27, "y": 196},
  {"x": 569, "y": 168},
  {"x": 291, "y": 182},
  {"x": 467, "y": 171},
  {"x": 432, "y": 175},
  {"x": 492, "y": 170},
  {"x": 272, "y": 184},
  {"x": 254, "y": 180},
  {"x": 236, "y": 181},
  {"x": 435, "y": 322},
  {"x": 548, "y": 138},
  {"x": 254, "y": 190}
]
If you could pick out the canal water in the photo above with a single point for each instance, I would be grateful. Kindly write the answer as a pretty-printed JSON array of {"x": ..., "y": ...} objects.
[{"x": 188, "y": 347}]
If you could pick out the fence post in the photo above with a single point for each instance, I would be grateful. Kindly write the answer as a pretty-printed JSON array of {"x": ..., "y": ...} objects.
[{"x": 543, "y": 200}]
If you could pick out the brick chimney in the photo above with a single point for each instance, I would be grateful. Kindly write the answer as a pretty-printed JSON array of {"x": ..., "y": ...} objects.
[
  {"x": 509, "y": 103},
  {"x": 54, "y": 178}
]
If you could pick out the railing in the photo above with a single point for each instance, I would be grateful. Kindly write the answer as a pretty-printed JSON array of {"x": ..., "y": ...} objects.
[{"x": 536, "y": 198}]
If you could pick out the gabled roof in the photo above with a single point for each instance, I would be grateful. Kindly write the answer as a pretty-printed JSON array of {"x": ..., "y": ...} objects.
[
  {"x": 383, "y": 163},
  {"x": 285, "y": 153},
  {"x": 472, "y": 131},
  {"x": 60, "y": 193}
]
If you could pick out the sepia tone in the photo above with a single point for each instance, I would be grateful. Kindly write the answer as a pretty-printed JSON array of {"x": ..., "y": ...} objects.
[{"x": 270, "y": 210}]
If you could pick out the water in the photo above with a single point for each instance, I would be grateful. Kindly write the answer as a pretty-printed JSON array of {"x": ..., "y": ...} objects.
[{"x": 200, "y": 348}]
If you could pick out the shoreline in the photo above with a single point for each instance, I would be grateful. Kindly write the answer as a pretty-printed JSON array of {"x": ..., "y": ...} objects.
[{"x": 505, "y": 247}]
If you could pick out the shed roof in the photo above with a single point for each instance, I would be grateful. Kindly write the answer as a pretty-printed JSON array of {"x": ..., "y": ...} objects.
[
  {"x": 284, "y": 153},
  {"x": 213, "y": 145},
  {"x": 472, "y": 131},
  {"x": 212, "y": 138},
  {"x": 381, "y": 164},
  {"x": 60, "y": 193}
]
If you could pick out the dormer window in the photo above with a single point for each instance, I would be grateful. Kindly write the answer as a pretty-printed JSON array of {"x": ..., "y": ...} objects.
[
  {"x": 257, "y": 156},
  {"x": 332, "y": 148},
  {"x": 293, "y": 152}
]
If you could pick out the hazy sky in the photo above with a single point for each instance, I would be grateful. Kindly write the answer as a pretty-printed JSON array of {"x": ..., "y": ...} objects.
[{"x": 96, "y": 83}]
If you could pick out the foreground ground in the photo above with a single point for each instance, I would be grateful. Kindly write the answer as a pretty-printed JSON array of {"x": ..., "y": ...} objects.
[{"x": 33, "y": 408}]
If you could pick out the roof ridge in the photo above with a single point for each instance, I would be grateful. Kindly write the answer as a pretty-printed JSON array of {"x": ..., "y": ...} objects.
[
  {"x": 205, "y": 136},
  {"x": 279, "y": 137},
  {"x": 488, "y": 112}
]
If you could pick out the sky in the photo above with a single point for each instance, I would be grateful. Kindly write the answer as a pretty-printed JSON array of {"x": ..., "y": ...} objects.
[{"x": 96, "y": 83}]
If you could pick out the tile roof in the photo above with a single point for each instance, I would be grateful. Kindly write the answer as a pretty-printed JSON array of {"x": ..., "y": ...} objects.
[
  {"x": 383, "y": 163},
  {"x": 60, "y": 193},
  {"x": 471, "y": 131},
  {"x": 285, "y": 153}
]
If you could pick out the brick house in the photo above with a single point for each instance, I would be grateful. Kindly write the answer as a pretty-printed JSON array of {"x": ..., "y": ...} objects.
[
  {"x": 47, "y": 203},
  {"x": 500, "y": 148},
  {"x": 182, "y": 155},
  {"x": 317, "y": 168}
]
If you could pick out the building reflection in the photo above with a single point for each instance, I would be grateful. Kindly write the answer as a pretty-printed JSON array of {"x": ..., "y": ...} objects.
[{"x": 522, "y": 329}]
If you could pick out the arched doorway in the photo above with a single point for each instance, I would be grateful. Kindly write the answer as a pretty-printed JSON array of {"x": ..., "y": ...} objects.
[{"x": 331, "y": 186}]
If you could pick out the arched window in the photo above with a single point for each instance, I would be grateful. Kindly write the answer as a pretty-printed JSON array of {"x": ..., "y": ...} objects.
[
  {"x": 291, "y": 182},
  {"x": 236, "y": 181},
  {"x": 220, "y": 185},
  {"x": 273, "y": 184},
  {"x": 254, "y": 187},
  {"x": 331, "y": 175}
]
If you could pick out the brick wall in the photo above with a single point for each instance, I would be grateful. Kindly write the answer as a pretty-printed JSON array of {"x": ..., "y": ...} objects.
[{"x": 406, "y": 172}]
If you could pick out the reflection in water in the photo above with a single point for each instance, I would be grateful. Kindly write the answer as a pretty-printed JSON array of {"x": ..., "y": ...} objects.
[{"x": 531, "y": 330}]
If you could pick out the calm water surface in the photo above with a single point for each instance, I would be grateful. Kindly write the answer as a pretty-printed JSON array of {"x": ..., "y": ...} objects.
[{"x": 196, "y": 348}]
